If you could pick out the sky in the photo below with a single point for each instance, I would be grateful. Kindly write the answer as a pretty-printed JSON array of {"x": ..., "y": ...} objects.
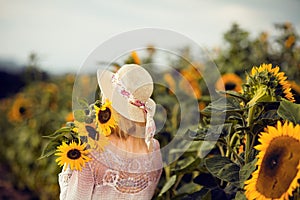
[{"x": 64, "y": 32}]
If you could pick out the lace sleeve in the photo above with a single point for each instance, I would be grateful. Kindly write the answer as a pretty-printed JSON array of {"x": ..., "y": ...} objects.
[
  {"x": 76, "y": 184},
  {"x": 63, "y": 180}
]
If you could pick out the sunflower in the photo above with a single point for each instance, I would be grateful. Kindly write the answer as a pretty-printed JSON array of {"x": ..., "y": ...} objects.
[
  {"x": 268, "y": 84},
  {"x": 263, "y": 37},
  {"x": 229, "y": 81},
  {"x": 72, "y": 154},
  {"x": 105, "y": 118},
  {"x": 170, "y": 82},
  {"x": 290, "y": 41},
  {"x": 192, "y": 76},
  {"x": 21, "y": 109},
  {"x": 51, "y": 91},
  {"x": 69, "y": 117},
  {"x": 135, "y": 58},
  {"x": 278, "y": 163}
]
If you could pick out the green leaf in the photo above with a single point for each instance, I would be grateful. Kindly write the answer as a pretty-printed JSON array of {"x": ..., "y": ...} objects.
[
  {"x": 289, "y": 111},
  {"x": 211, "y": 133},
  {"x": 268, "y": 117},
  {"x": 188, "y": 188},
  {"x": 222, "y": 105},
  {"x": 192, "y": 149},
  {"x": 240, "y": 196},
  {"x": 83, "y": 103},
  {"x": 261, "y": 95},
  {"x": 223, "y": 168},
  {"x": 246, "y": 171},
  {"x": 185, "y": 152},
  {"x": 58, "y": 133},
  {"x": 183, "y": 163},
  {"x": 50, "y": 149},
  {"x": 187, "y": 165},
  {"x": 168, "y": 185},
  {"x": 233, "y": 94},
  {"x": 79, "y": 115}
]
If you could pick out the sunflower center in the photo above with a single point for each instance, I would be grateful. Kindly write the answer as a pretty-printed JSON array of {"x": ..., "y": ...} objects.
[
  {"x": 74, "y": 154},
  {"x": 22, "y": 110},
  {"x": 230, "y": 86},
  {"x": 104, "y": 115},
  {"x": 279, "y": 167}
]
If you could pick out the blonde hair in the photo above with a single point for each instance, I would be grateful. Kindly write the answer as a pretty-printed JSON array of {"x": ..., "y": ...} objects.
[{"x": 126, "y": 127}]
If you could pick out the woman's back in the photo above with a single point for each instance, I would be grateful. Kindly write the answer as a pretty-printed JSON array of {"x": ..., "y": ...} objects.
[{"x": 115, "y": 174}]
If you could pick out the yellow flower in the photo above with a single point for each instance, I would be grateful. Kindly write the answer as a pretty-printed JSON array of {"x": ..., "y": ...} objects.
[
  {"x": 73, "y": 154},
  {"x": 69, "y": 117},
  {"x": 105, "y": 118},
  {"x": 229, "y": 81},
  {"x": 135, "y": 57},
  {"x": 278, "y": 163},
  {"x": 51, "y": 92},
  {"x": 191, "y": 73},
  {"x": 201, "y": 105},
  {"x": 70, "y": 78},
  {"x": 192, "y": 76},
  {"x": 266, "y": 81},
  {"x": 170, "y": 82},
  {"x": 290, "y": 41},
  {"x": 22, "y": 109},
  {"x": 263, "y": 37}
]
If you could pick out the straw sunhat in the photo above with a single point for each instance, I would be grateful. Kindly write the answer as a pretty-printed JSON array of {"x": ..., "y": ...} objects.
[{"x": 130, "y": 82}]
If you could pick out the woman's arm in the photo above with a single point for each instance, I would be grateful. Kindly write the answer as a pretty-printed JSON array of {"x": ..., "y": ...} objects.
[
  {"x": 76, "y": 184},
  {"x": 63, "y": 180}
]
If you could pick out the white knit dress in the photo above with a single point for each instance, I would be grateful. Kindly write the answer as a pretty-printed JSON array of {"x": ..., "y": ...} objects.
[{"x": 113, "y": 174}]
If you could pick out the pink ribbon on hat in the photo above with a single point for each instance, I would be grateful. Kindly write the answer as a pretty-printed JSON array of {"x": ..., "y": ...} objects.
[{"x": 150, "y": 124}]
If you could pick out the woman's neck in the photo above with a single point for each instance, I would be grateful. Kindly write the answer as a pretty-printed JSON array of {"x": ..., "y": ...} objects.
[{"x": 130, "y": 144}]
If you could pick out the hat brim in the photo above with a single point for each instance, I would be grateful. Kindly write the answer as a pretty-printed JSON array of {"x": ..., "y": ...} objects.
[{"x": 119, "y": 102}]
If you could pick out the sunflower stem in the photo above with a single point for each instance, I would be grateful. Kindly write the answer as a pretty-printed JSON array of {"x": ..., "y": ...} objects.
[
  {"x": 231, "y": 151},
  {"x": 167, "y": 171},
  {"x": 177, "y": 182},
  {"x": 248, "y": 133},
  {"x": 237, "y": 156},
  {"x": 221, "y": 149},
  {"x": 227, "y": 148},
  {"x": 232, "y": 141},
  {"x": 253, "y": 141}
]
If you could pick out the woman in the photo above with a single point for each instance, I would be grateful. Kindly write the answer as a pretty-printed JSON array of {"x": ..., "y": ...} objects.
[{"x": 130, "y": 166}]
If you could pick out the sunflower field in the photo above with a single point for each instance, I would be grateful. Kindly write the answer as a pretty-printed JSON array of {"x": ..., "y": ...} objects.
[{"x": 245, "y": 146}]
